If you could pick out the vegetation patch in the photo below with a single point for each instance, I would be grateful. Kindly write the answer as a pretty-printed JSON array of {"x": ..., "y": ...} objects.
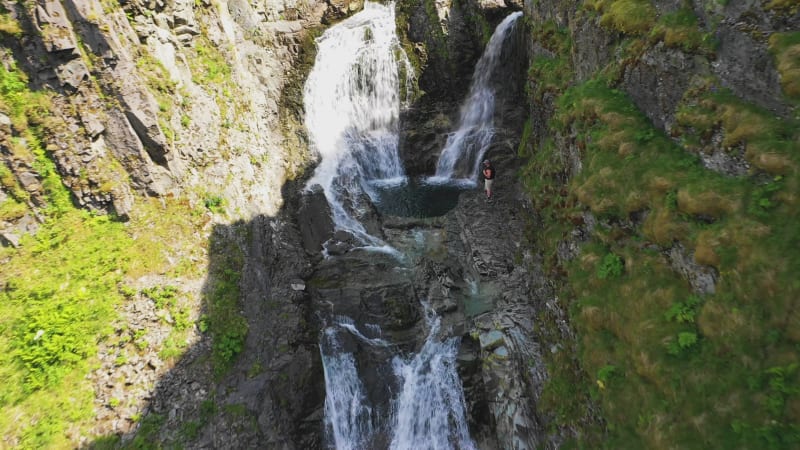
[
  {"x": 669, "y": 367},
  {"x": 767, "y": 141},
  {"x": 787, "y": 7},
  {"x": 59, "y": 290},
  {"x": 635, "y": 17},
  {"x": 786, "y": 49},
  {"x": 680, "y": 30},
  {"x": 224, "y": 321},
  {"x": 550, "y": 73},
  {"x": 8, "y": 24}
]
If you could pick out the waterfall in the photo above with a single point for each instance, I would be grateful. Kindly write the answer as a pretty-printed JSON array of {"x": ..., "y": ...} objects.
[
  {"x": 348, "y": 416},
  {"x": 352, "y": 102},
  {"x": 464, "y": 149},
  {"x": 430, "y": 411}
]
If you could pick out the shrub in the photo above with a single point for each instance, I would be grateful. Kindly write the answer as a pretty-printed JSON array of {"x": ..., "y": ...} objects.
[{"x": 609, "y": 267}]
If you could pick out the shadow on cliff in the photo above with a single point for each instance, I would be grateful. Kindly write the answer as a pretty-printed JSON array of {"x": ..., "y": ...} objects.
[{"x": 254, "y": 378}]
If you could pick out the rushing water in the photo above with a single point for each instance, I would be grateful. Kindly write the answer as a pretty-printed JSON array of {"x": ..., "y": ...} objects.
[
  {"x": 429, "y": 412},
  {"x": 352, "y": 102},
  {"x": 462, "y": 154},
  {"x": 348, "y": 415}
]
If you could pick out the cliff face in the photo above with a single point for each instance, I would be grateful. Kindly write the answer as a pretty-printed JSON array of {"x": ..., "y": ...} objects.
[
  {"x": 662, "y": 159},
  {"x": 170, "y": 117},
  {"x": 173, "y": 97},
  {"x": 643, "y": 285}
]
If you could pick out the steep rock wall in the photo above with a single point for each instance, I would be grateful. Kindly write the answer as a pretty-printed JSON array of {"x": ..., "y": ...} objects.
[
  {"x": 639, "y": 167},
  {"x": 178, "y": 97}
]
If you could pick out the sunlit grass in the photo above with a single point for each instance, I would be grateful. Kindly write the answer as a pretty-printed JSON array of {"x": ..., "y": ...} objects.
[
  {"x": 708, "y": 378},
  {"x": 635, "y": 17},
  {"x": 786, "y": 49}
]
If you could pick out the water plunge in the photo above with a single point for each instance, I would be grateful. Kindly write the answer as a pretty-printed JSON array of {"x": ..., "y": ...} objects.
[
  {"x": 462, "y": 154},
  {"x": 352, "y": 101}
]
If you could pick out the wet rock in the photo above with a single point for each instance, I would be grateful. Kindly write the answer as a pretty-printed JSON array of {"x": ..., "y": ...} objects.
[
  {"x": 298, "y": 285},
  {"x": 491, "y": 340},
  {"x": 314, "y": 218}
]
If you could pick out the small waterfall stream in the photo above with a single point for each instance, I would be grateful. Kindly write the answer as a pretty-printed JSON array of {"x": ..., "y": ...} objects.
[
  {"x": 462, "y": 154},
  {"x": 352, "y": 101}
]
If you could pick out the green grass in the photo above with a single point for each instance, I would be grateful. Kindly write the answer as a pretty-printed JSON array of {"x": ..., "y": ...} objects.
[
  {"x": 550, "y": 74},
  {"x": 635, "y": 17},
  {"x": 688, "y": 371},
  {"x": 786, "y": 49},
  {"x": 209, "y": 66},
  {"x": 225, "y": 323},
  {"x": 61, "y": 289},
  {"x": 680, "y": 30}
]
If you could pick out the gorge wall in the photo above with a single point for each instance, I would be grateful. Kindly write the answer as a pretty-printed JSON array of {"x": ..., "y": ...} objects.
[
  {"x": 640, "y": 259},
  {"x": 662, "y": 161}
]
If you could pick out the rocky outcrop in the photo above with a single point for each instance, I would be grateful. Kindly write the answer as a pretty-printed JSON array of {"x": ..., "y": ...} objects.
[{"x": 169, "y": 96}]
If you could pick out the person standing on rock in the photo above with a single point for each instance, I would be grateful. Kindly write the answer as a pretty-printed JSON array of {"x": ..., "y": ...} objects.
[{"x": 488, "y": 178}]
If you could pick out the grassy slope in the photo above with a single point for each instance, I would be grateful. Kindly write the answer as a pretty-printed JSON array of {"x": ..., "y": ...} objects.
[
  {"x": 669, "y": 368},
  {"x": 60, "y": 288}
]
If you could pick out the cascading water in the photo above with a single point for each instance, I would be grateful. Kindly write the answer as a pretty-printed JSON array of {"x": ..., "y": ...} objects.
[
  {"x": 352, "y": 102},
  {"x": 462, "y": 154},
  {"x": 430, "y": 410},
  {"x": 348, "y": 415}
]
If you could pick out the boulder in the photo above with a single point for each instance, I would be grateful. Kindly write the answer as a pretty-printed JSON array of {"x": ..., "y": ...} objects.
[
  {"x": 72, "y": 73},
  {"x": 56, "y": 29},
  {"x": 314, "y": 219}
]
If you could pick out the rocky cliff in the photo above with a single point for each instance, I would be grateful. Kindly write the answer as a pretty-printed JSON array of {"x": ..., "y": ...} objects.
[
  {"x": 661, "y": 154},
  {"x": 168, "y": 117},
  {"x": 633, "y": 285}
]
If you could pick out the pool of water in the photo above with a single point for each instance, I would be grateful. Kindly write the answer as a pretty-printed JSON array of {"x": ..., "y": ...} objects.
[
  {"x": 481, "y": 297},
  {"x": 417, "y": 198}
]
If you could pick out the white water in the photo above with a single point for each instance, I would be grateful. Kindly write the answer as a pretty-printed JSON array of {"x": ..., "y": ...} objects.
[
  {"x": 348, "y": 415},
  {"x": 352, "y": 102},
  {"x": 430, "y": 412},
  {"x": 464, "y": 150}
]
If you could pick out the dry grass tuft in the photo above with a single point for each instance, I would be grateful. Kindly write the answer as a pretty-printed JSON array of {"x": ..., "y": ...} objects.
[
  {"x": 708, "y": 203},
  {"x": 704, "y": 250},
  {"x": 612, "y": 141},
  {"x": 662, "y": 228},
  {"x": 786, "y": 48},
  {"x": 593, "y": 318},
  {"x": 741, "y": 125},
  {"x": 661, "y": 185},
  {"x": 772, "y": 163}
]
